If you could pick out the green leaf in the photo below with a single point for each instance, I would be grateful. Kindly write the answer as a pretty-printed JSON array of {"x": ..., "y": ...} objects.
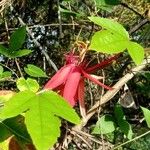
[
  {"x": 60, "y": 107},
  {"x": 126, "y": 128},
  {"x": 118, "y": 112},
  {"x": 34, "y": 71},
  {"x": 17, "y": 39},
  {"x": 106, "y": 4},
  {"x": 14, "y": 126},
  {"x": 104, "y": 125},
  {"x": 43, "y": 127},
  {"x": 146, "y": 113},
  {"x": 20, "y": 53},
  {"x": 17, "y": 104},
  {"x": 6, "y": 74},
  {"x": 42, "y": 112},
  {"x": 5, "y": 133},
  {"x": 136, "y": 52},
  {"x": 112, "y": 26},
  {"x": 3, "y": 50},
  {"x": 122, "y": 123},
  {"x": 106, "y": 42},
  {"x": 28, "y": 84}
]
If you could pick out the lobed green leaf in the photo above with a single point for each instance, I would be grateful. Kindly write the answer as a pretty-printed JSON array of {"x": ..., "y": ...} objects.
[
  {"x": 60, "y": 107},
  {"x": 112, "y": 26},
  {"x": 42, "y": 112},
  {"x": 106, "y": 42},
  {"x": 43, "y": 127},
  {"x": 17, "y": 104}
]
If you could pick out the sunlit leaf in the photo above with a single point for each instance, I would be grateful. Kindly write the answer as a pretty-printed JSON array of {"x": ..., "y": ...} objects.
[
  {"x": 4, "y": 145},
  {"x": 42, "y": 112},
  {"x": 29, "y": 84},
  {"x": 136, "y": 52},
  {"x": 112, "y": 26},
  {"x": 5, "y": 75},
  {"x": 106, "y": 42},
  {"x": 5, "y": 95},
  {"x": 17, "y": 104},
  {"x": 34, "y": 71}
]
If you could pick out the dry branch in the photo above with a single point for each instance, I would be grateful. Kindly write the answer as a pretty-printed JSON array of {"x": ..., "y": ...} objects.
[{"x": 110, "y": 94}]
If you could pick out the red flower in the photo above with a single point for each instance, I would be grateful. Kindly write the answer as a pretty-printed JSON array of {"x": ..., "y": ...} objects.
[{"x": 69, "y": 80}]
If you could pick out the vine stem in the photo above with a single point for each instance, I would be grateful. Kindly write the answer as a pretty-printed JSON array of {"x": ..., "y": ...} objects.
[{"x": 136, "y": 138}]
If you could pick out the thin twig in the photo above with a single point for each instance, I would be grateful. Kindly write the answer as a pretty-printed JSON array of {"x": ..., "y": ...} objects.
[
  {"x": 84, "y": 141},
  {"x": 51, "y": 63},
  {"x": 88, "y": 136},
  {"x": 119, "y": 84},
  {"x": 110, "y": 94},
  {"x": 139, "y": 25},
  {"x": 18, "y": 66}
]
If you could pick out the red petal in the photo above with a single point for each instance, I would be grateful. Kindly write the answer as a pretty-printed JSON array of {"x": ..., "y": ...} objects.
[
  {"x": 71, "y": 85},
  {"x": 81, "y": 98},
  {"x": 96, "y": 81},
  {"x": 59, "y": 78},
  {"x": 102, "y": 64}
]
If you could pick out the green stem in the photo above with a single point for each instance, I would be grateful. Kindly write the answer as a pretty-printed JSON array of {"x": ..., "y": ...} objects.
[
  {"x": 136, "y": 138},
  {"x": 9, "y": 69}
]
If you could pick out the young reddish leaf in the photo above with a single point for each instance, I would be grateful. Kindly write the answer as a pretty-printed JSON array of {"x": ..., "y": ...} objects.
[
  {"x": 71, "y": 85},
  {"x": 95, "y": 80},
  {"x": 59, "y": 78}
]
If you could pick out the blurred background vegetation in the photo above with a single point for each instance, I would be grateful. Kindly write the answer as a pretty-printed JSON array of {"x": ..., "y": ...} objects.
[{"x": 57, "y": 25}]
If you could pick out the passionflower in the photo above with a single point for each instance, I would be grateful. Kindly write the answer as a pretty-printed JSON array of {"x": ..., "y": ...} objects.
[{"x": 69, "y": 80}]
